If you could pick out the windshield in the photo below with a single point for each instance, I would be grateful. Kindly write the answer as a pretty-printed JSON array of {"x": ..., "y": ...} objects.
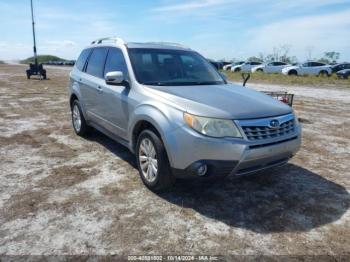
[{"x": 172, "y": 67}]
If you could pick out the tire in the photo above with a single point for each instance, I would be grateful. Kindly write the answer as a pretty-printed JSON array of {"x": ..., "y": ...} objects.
[
  {"x": 237, "y": 70},
  {"x": 157, "y": 177},
  {"x": 81, "y": 129},
  {"x": 260, "y": 70},
  {"x": 323, "y": 73},
  {"x": 292, "y": 73}
]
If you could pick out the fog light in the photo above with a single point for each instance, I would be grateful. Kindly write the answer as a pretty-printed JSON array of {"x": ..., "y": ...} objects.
[{"x": 202, "y": 170}]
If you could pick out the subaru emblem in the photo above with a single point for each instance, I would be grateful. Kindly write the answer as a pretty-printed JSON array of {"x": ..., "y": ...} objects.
[{"x": 274, "y": 124}]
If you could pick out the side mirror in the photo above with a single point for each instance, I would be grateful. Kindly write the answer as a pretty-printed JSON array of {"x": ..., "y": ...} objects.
[{"x": 114, "y": 78}]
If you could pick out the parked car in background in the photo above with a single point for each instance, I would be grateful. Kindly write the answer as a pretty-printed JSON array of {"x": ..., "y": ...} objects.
[
  {"x": 227, "y": 67},
  {"x": 273, "y": 67},
  {"x": 345, "y": 73},
  {"x": 177, "y": 114},
  {"x": 248, "y": 66},
  {"x": 236, "y": 67},
  {"x": 217, "y": 65},
  {"x": 340, "y": 66},
  {"x": 308, "y": 68}
]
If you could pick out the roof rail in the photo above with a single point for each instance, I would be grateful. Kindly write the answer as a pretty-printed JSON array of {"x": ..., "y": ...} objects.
[
  {"x": 168, "y": 43},
  {"x": 111, "y": 39}
]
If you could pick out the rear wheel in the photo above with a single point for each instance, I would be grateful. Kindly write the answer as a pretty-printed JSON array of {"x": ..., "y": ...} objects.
[
  {"x": 293, "y": 73},
  {"x": 152, "y": 162},
  {"x": 78, "y": 121},
  {"x": 237, "y": 70},
  {"x": 323, "y": 73}
]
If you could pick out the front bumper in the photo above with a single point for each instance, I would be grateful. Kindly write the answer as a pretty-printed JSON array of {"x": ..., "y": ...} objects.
[{"x": 187, "y": 150}]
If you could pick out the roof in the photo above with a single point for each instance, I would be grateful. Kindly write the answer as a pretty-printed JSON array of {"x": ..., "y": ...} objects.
[
  {"x": 157, "y": 45},
  {"x": 112, "y": 41}
]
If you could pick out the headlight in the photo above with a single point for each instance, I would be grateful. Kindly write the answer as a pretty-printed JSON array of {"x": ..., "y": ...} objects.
[{"x": 212, "y": 126}]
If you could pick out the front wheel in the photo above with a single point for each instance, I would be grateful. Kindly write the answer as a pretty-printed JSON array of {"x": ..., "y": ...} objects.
[{"x": 152, "y": 162}]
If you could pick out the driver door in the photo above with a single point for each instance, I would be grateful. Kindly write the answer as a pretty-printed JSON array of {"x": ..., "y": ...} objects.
[{"x": 114, "y": 107}]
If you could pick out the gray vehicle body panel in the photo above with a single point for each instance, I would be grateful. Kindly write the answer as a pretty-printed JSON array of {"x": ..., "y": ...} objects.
[{"x": 118, "y": 109}]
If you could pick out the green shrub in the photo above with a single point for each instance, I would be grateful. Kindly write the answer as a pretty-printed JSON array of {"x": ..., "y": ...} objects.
[{"x": 42, "y": 59}]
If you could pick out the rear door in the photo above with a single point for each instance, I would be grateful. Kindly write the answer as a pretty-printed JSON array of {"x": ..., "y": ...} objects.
[
  {"x": 307, "y": 68},
  {"x": 93, "y": 82},
  {"x": 269, "y": 68},
  {"x": 77, "y": 76},
  {"x": 278, "y": 67},
  {"x": 246, "y": 67}
]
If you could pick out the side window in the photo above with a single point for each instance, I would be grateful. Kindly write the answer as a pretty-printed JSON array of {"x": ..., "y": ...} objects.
[
  {"x": 96, "y": 62},
  {"x": 115, "y": 62},
  {"x": 82, "y": 59}
]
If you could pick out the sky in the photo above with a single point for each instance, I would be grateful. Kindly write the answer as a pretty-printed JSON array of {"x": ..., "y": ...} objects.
[{"x": 218, "y": 29}]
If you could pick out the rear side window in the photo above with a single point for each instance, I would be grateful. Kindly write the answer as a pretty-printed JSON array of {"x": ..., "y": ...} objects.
[
  {"x": 115, "y": 62},
  {"x": 96, "y": 62},
  {"x": 82, "y": 59}
]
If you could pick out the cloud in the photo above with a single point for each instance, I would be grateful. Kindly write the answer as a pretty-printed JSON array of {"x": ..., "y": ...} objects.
[
  {"x": 59, "y": 44},
  {"x": 193, "y": 5},
  {"x": 328, "y": 32}
]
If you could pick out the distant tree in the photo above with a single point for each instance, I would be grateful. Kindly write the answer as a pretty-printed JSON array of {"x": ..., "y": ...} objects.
[
  {"x": 309, "y": 51},
  {"x": 293, "y": 60},
  {"x": 42, "y": 59},
  {"x": 284, "y": 51},
  {"x": 270, "y": 58},
  {"x": 323, "y": 60},
  {"x": 254, "y": 59},
  {"x": 332, "y": 56},
  {"x": 261, "y": 57}
]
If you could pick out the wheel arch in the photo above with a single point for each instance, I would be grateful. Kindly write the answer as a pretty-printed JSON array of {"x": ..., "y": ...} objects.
[
  {"x": 75, "y": 96},
  {"x": 151, "y": 117}
]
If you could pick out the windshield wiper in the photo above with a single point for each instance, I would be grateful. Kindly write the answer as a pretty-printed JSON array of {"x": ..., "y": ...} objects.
[
  {"x": 155, "y": 83},
  {"x": 182, "y": 83}
]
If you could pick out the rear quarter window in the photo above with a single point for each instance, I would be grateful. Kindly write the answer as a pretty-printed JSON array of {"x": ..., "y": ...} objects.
[{"x": 82, "y": 59}]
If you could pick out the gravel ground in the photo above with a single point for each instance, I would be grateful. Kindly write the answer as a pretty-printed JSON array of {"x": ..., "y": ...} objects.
[{"x": 64, "y": 195}]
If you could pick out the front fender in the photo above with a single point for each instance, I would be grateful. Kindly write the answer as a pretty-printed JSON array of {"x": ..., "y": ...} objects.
[{"x": 164, "y": 118}]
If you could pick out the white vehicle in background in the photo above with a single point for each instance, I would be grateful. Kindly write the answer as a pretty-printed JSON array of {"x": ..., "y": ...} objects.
[
  {"x": 227, "y": 67},
  {"x": 308, "y": 68},
  {"x": 248, "y": 66},
  {"x": 236, "y": 67},
  {"x": 271, "y": 68}
]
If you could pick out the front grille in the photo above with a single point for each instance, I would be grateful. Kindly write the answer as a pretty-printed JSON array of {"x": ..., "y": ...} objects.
[{"x": 256, "y": 133}]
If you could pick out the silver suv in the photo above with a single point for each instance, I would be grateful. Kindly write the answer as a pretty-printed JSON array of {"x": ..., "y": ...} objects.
[{"x": 177, "y": 113}]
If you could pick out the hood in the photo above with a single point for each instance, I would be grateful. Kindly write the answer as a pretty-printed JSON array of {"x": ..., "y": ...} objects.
[{"x": 223, "y": 101}]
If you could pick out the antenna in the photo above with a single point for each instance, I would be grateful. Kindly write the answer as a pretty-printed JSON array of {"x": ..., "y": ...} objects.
[{"x": 33, "y": 25}]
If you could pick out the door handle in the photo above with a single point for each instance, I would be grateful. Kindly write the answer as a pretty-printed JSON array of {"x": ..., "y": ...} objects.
[{"x": 99, "y": 89}]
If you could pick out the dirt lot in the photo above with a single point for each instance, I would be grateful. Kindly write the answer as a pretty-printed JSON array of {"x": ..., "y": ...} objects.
[{"x": 62, "y": 194}]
